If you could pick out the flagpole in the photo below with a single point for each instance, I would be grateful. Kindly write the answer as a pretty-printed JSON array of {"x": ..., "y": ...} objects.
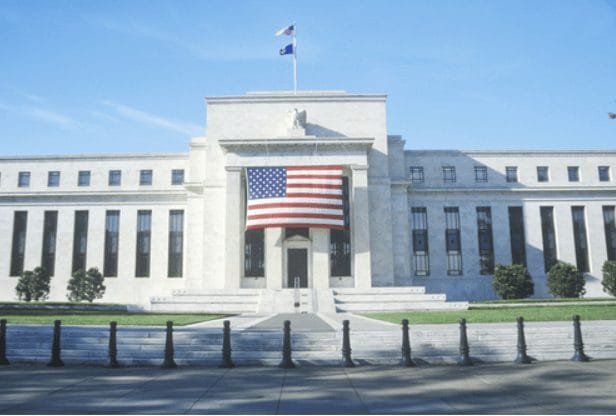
[{"x": 294, "y": 59}]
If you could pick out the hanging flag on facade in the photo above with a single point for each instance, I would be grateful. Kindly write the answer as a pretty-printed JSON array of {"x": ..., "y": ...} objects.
[
  {"x": 288, "y": 30},
  {"x": 287, "y": 50},
  {"x": 295, "y": 196}
]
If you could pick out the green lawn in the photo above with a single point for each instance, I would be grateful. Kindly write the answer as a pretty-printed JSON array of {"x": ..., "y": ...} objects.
[
  {"x": 530, "y": 313},
  {"x": 554, "y": 300},
  {"x": 72, "y": 317}
]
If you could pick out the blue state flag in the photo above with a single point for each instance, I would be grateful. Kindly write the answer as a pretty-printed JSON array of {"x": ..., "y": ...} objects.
[{"x": 287, "y": 50}]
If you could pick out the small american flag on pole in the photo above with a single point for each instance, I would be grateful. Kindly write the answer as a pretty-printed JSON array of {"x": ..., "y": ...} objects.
[{"x": 295, "y": 196}]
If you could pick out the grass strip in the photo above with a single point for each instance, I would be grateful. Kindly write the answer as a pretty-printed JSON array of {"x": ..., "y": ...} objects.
[
  {"x": 538, "y": 313},
  {"x": 72, "y": 317},
  {"x": 554, "y": 300}
]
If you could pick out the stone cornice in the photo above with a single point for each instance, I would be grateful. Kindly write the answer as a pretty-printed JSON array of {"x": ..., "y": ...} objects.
[
  {"x": 67, "y": 198},
  {"x": 104, "y": 156},
  {"x": 508, "y": 153},
  {"x": 289, "y": 96},
  {"x": 283, "y": 143}
]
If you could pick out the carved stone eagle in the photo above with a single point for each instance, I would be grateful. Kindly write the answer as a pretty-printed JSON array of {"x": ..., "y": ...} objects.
[{"x": 296, "y": 119}]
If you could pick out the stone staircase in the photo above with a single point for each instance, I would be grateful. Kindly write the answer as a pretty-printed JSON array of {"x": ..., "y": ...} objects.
[
  {"x": 435, "y": 344},
  {"x": 209, "y": 301},
  {"x": 392, "y": 299},
  {"x": 268, "y": 301}
]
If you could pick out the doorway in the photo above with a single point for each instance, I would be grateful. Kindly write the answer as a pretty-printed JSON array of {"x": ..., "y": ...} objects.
[{"x": 297, "y": 266}]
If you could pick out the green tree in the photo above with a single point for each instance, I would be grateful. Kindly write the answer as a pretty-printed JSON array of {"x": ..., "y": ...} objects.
[
  {"x": 86, "y": 285},
  {"x": 565, "y": 281},
  {"x": 33, "y": 285},
  {"x": 609, "y": 277},
  {"x": 512, "y": 282}
]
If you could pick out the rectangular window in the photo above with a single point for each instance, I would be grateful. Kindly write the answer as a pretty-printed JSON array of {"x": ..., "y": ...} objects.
[
  {"x": 53, "y": 178},
  {"x": 481, "y": 174},
  {"x": 453, "y": 244},
  {"x": 112, "y": 243},
  {"x": 176, "y": 242},
  {"x": 340, "y": 240},
  {"x": 144, "y": 225},
  {"x": 417, "y": 174},
  {"x": 610, "y": 231},
  {"x": 145, "y": 177},
  {"x": 511, "y": 173},
  {"x": 604, "y": 173},
  {"x": 574, "y": 173},
  {"x": 50, "y": 230},
  {"x": 177, "y": 176},
  {"x": 549, "y": 237},
  {"x": 516, "y": 236},
  {"x": 115, "y": 177},
  {"x": 421, "y": 258},
  {"x": 84, "y": 178},
  {"x": 579, "y": 238},
  {"x": 18, "y": 250},
  {"x": 23, "y": 180},
  {"x": 486, "y": 245},
  {"x": 80, "y": 241},
  {"x": 449, "y": 174},
  {"x": 542, "y": 174},
  {"x": 254, "y": 253}
]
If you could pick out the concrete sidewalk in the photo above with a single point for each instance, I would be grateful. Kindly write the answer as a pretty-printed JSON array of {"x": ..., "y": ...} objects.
[{"x": 554, "y": 387}]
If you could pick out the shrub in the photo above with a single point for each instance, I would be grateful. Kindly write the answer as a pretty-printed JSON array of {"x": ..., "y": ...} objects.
[
  {"x": 512, "y": 282},
  {"x": 565, "y": 281},
  {"x": 86, "y": 286},
  {"x": 33, "y": 285},
  {"x": 609, "y": 277}
]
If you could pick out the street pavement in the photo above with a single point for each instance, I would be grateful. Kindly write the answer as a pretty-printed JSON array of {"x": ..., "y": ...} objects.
[{"x": 560, "y": 387}]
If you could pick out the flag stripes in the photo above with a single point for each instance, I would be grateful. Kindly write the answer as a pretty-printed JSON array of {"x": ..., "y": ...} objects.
[{"x": 295, "y": 196}]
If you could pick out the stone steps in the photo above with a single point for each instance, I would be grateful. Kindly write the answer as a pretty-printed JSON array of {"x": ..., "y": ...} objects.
[
  {"x": 392, "y": 299},
  {"x": 203, "y": 346}
]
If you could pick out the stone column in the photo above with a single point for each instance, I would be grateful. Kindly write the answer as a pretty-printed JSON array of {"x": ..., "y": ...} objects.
[
  {"x": 360, "y": 226},
  {"x": 320, "y": 258},
  {"x": 233, "y": 228},
  {"x": 273, "y": 258}
]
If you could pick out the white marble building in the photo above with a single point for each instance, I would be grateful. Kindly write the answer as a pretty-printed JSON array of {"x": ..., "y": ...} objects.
[{"x": 165, "y": 227}]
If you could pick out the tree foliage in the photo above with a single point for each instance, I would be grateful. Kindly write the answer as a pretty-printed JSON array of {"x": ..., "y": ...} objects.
[
  {"x": 565, "y": 281},
  {"x": 512, "y": 282},
  {"x": 609, "y": 277},
  {"x": 33, "y": 285},
  {"x": 86, "y": 285}
]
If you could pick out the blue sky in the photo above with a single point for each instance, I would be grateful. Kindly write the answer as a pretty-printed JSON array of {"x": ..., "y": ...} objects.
[{"x": 131, "y": 76}]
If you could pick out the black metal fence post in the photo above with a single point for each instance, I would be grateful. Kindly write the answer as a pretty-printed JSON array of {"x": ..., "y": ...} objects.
[
  {"x": 406, "y": 345},
  {"x": 169, "y": 361},
  {"x": 3, "y": 360},
  {"x": 56, "y": 361},
  {"x": 346, "y": 345},
  {"x": 521, "y": 358},
  {"x": 465, "y": 359},
  {"x": 578, "y": 345},
  {"x": 226, "y": 346},
  {"x": 113, "y": 348},
  {"x": 286, "y": 362}
]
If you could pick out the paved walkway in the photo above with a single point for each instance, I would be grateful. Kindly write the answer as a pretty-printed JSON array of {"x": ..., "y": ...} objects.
[
  {"x": 546, "y": 388},
  {"x": 301, "y": 322}
]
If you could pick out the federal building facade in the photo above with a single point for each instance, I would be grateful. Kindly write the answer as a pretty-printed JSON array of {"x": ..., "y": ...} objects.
[{"x": 172, "y": 227}]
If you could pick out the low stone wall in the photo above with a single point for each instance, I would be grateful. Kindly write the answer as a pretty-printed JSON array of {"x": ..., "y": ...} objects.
[{"x": 434, "y": 344}]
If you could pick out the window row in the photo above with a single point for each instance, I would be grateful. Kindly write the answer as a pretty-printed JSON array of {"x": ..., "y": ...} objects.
[
  {"x": 114, "y": 178},
  {"x": 111, "y": 242},
  {"x": 453, "y": 245},
  {"x": 416, "y": 174}
]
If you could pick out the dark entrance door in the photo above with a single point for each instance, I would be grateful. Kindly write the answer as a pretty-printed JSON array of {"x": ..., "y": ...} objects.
[{"x": 297, "y": 266}]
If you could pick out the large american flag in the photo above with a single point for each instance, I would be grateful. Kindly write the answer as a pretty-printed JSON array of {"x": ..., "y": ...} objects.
[{"x": 295, "y": 196}]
